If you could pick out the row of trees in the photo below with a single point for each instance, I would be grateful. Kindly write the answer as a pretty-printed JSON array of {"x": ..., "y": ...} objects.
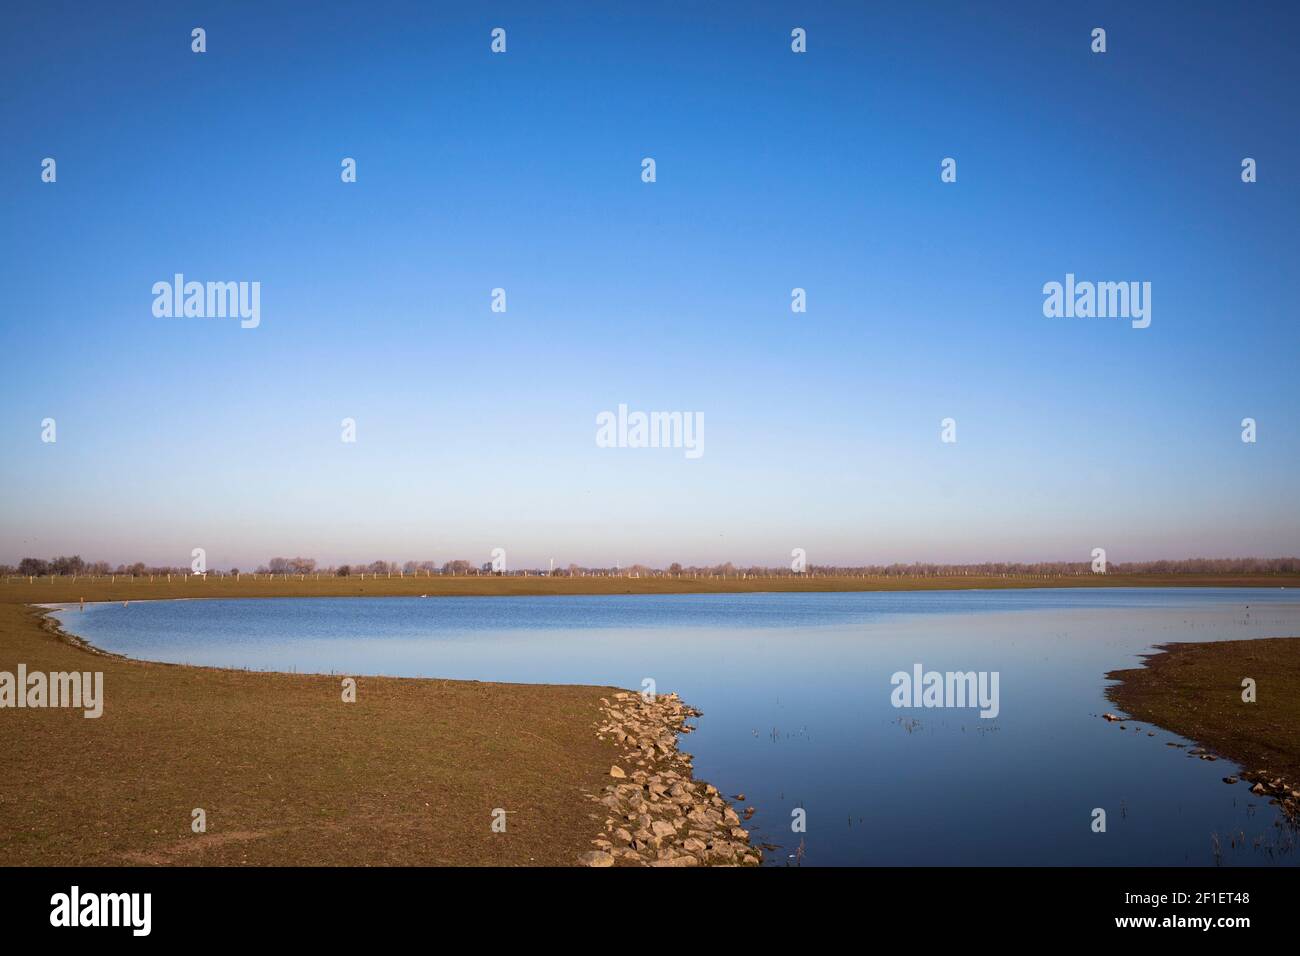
[
  {"x": 459, "y": 566},
  {"x": 74, "y": 565},
  {"x": 984, "y": 569},
  {"x": 64, "y": 564},
  {"x": 288, "y": 566},
  {"x": 1001, "y": 568}
]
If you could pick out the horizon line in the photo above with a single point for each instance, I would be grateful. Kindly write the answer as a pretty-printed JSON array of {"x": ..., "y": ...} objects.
[{"x": 74, "y": 565}]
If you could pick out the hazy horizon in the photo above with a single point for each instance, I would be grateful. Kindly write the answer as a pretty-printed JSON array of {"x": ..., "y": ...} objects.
[
  {"x": 358, "y": 565},
  {"x": 775, "y": 171}
]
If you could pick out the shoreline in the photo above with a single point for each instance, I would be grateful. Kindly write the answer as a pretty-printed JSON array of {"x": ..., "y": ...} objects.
[
  {"x": 535, "y": 757},
  {"x": 48, "y": 623},
  {"x": 693, "y": 825},
  {"x": 1197, "y": 690},
  {"x": 47, "y": 608},
  {"x": 659, "y": 814},
  {"x": 287, "y": 772}
]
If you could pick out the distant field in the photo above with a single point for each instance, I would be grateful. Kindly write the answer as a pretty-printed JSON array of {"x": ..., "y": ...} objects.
[{"x": 46, "y": 590}]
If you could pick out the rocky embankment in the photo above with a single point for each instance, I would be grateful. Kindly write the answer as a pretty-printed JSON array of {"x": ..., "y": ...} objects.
[{"x": 655, "y": 814}]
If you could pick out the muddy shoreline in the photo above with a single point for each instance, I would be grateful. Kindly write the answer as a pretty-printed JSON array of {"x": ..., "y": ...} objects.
[{"x": 1239, "y": 700}]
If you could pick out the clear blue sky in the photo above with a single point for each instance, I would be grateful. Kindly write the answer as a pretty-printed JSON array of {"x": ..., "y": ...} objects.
[{"x": 522, "y": 171}]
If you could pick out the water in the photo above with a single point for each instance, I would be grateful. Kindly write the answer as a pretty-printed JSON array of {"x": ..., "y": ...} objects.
[{"x": 795, "y": 690}]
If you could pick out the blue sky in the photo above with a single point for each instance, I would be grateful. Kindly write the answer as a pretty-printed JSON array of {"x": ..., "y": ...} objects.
[{"x": 522, "y": 171}]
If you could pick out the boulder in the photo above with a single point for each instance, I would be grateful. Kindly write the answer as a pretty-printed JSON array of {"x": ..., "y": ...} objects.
[{"x": 662, "y": 828}]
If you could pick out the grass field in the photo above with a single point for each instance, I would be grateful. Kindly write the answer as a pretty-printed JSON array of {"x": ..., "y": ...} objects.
[
  {"x": 286, "y": 772},
  {"x": 51, "y": 590}
]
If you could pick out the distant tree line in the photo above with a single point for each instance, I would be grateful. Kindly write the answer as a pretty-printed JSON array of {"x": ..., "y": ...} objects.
[
  {"x": 74, "y": 565},
  {"x": 63, "y": 565}
]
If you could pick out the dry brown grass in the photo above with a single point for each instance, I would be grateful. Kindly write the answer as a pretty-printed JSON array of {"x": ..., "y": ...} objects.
[
  {"x": 45, "y": 590},
  {"x": 287, "y": 772}
]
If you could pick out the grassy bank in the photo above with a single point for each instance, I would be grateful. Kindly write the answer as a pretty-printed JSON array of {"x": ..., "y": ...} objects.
[
  {"x": 1195, "y": 690},
  {"x": 287, "y": 772},
  {"x": 58, "y": 589}
]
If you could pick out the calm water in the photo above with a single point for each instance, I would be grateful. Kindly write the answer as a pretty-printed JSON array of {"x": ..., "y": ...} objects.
[{"x": 795, "y": 690}]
